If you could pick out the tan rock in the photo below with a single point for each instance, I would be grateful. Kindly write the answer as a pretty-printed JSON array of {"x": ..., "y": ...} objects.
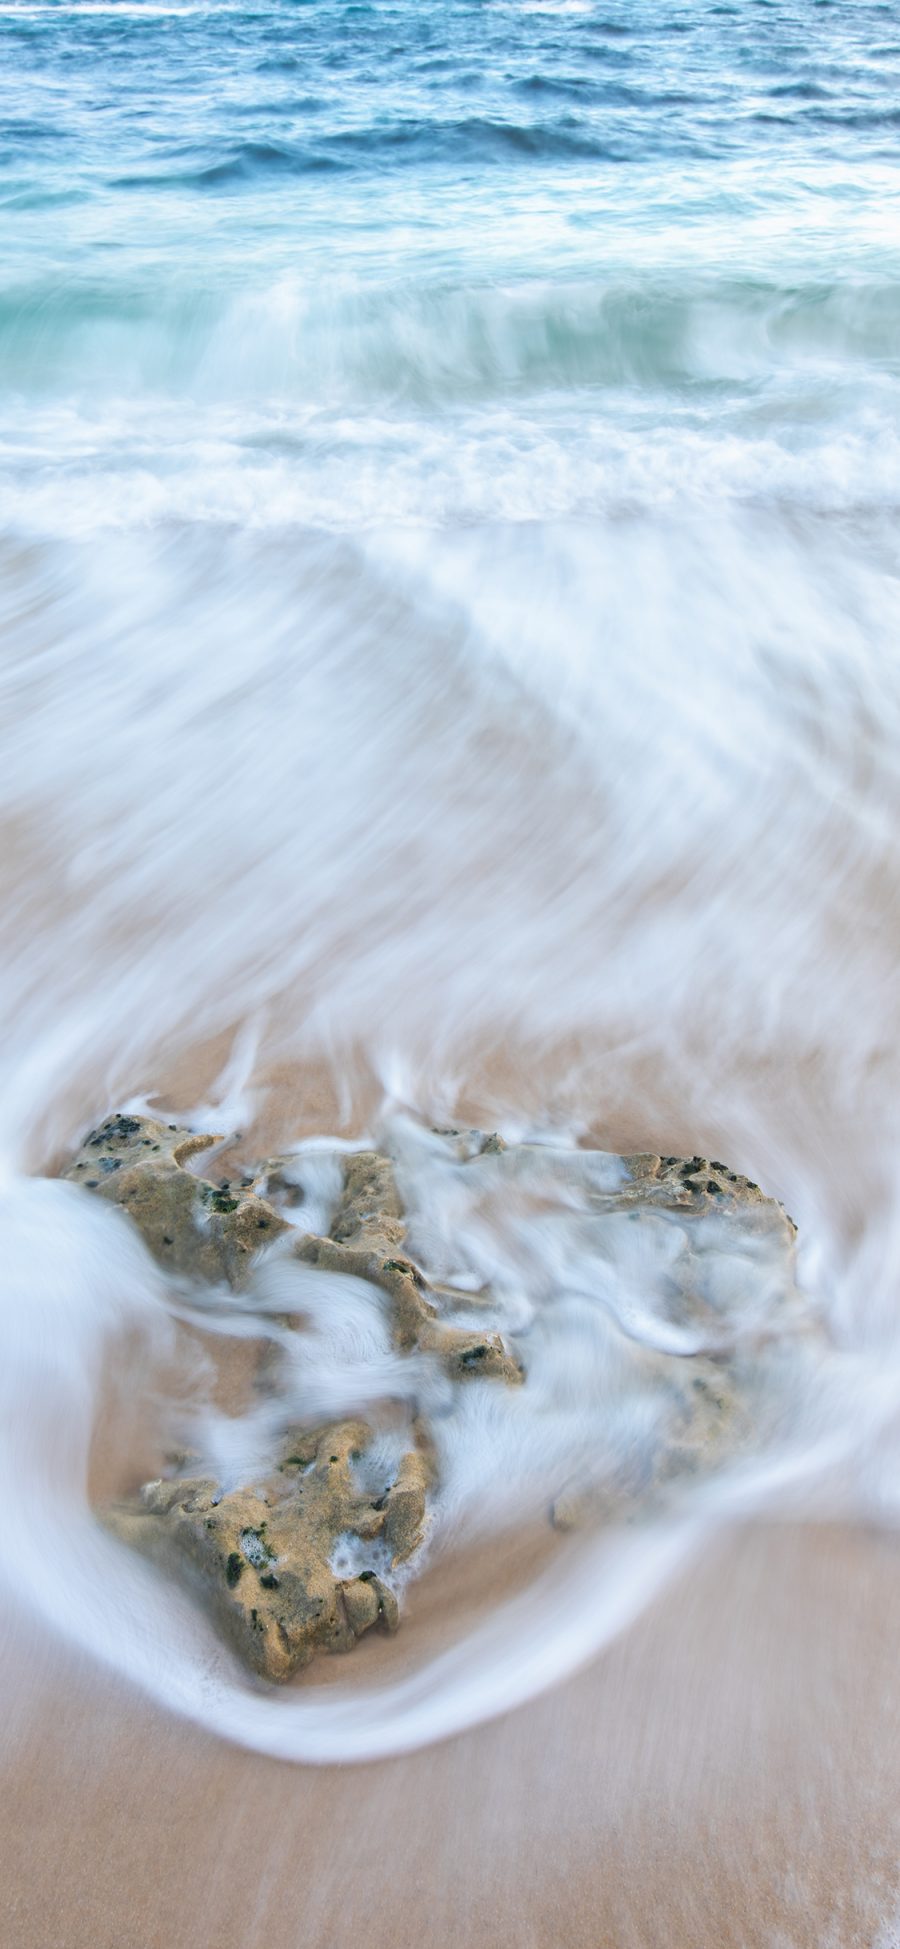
[
  {"x": 697, "y": 1184},
  {"x": 709, "y": 1415},
  {"x": 366, "y": 1239},
  {"x": 262, "y": 1556},
  {"x": 195, "y": 1228}
]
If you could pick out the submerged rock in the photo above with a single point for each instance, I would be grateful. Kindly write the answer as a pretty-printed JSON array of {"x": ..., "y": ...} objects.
[{"x": 710, "y": 1417}]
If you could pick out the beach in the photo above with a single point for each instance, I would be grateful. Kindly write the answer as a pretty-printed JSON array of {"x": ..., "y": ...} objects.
[
  {"x": 726, "y": 1775},
  {"x": 449, "y": 716}
]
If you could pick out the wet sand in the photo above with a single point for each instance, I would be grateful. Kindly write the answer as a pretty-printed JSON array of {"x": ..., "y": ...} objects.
[{"x": 726, "y": 1774}]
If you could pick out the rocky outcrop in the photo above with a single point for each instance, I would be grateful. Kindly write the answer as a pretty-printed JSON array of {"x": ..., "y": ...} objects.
[
  {"x": 195, "y": 1228},
  {"x": 709, "y": 1417},
  {"x": 305, "y": 1558}
]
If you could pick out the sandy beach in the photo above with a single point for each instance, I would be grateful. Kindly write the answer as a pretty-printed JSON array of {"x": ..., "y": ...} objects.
[{"x": 728, "y": 1775}]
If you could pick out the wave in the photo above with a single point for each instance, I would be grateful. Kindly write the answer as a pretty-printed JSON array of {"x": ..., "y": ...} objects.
[
  {"x": 471, "y": 139},
  {"x": 343, "y": 339},
  {"x": 346, "y": 402}
]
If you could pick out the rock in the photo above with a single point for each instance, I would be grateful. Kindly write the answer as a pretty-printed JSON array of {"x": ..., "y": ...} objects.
[
  {"x": 709, "y": 1421},
  {"x": 195, "y": 1228},
  {"x": 709, "y": 1414},
  {"x": 369, "y": 1216},
  {"x": 201, "y": 1230},
  {"x": 367, "y": 1237},
  {"x": 695, "y": 1183},
  {"x": 262, "y": 1555},
  {"x": 470, "y": 1143},
  {"x": 404, "y": 1515}
]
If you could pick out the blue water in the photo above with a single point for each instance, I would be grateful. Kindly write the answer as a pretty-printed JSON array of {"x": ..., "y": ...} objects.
[{"x": 329, "y": 263}]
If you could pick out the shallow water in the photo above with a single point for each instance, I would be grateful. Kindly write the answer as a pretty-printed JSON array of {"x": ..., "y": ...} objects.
[{"x": 449, "y": 464}]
